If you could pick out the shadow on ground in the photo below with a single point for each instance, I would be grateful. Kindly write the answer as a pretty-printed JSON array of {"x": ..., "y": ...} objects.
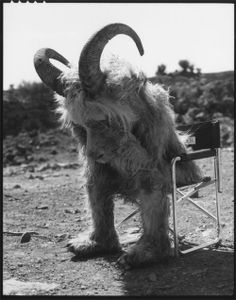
[{"x": 207, "y": 272}]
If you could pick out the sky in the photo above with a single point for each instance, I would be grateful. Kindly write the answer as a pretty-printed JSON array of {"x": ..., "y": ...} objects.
[{"x": 201, "y": 33}]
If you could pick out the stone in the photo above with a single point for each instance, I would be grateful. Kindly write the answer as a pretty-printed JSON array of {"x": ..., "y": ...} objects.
[
  {"x": 17, "y": 186},
  {"x": 25, "y": 238},
  {"x": 16, "y": 287}
]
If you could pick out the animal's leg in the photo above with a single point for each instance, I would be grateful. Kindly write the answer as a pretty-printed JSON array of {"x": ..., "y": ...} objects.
[
  {"x": 103, "y": 239},
  {"x": 154, "y": 244}
]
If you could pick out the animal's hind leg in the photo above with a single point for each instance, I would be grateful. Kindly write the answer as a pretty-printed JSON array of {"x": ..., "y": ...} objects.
[
  {"x": 103, "y": 239},
  {"x": 154, "y": 244}
]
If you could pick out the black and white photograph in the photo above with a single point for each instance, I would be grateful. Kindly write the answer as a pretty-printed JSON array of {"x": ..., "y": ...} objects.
[{"x": 118, "y": 149}]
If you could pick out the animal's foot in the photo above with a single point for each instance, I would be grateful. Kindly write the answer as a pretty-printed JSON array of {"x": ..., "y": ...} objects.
[
  {"x": 84, "y": 247},
  {"x": 141, "y": 255}
]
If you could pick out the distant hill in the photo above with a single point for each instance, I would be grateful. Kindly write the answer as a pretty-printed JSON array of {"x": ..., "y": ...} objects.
[
  {"x": 171, "y": 79},
  {"x": 31, "y": 106},
  {"x": 219, "y": 76}
]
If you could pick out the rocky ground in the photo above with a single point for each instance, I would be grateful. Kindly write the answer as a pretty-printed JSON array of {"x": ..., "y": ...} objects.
[{"x": 43, "y": 206}]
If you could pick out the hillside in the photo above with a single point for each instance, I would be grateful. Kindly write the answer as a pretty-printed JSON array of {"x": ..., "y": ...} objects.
[
  {"x": 207, "y": 77},
  {"x": 202, "y": 98},
  {"x": 198, "y": 98},
  {"x": 219, "y": 76}
]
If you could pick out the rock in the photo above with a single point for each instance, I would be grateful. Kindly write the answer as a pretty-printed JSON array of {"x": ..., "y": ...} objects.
[
  {"x": 44, "y": 167},
  {"x": 42, "y": 159},
  {"x": 29, "y": 158},
  {"x": 64, "y": 259},
  {"x": 58, "y": 166},
  {"x": 39, "y": 177},
  {"x": 69, "y": 211},
  {"x": 70, "y": 166},
  {"x": 25, "y": 238},
  {"x": 83, "y": 287},
  {"x": 17, "y": 186},
  {"x": 42, "y": 207},
  {"x": 29, "y": 168},
  {"x": 56, "y": 175},
  {"x": 17, "y": 287},
  {"x": 200, "y": 115},
  {"x": 54, "y": 152},
  {"x": 45, "y": 225},
  {"x": 7, "y": 195},
  {"x": 55, "y": 166},
  {"x": 62, "y": 237}
]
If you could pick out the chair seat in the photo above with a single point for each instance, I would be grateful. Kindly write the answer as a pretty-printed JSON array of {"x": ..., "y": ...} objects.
[{"x": 198, "y": 154}]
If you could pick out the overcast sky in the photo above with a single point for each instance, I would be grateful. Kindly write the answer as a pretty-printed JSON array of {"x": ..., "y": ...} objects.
[{"x": 201, "y": 33}]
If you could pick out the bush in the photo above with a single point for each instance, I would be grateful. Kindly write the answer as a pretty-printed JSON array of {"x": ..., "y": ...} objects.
[
  {"x": 196, "y": 99},
  {"x": 30, "y": 106},
  {"x": 202, "y": 99}
]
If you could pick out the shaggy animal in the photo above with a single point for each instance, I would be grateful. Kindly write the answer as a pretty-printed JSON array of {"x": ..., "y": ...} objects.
[{"x": 125, "y": 127}]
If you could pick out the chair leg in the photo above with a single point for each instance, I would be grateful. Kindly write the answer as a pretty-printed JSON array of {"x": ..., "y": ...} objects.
[
  {"x": 218, "y": 165},
  {"x": 174, "y": 199},
  {"x": 199, "y": 247},
  {"x": 217, "y": 188},
  {"x": 217, "y": 182},
  {"x": 217, "y": 218},
  {"x": 186, "y": 197}
]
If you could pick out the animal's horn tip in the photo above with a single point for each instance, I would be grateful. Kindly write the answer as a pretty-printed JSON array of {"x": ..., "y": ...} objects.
[{"x": 38, "y": 56}]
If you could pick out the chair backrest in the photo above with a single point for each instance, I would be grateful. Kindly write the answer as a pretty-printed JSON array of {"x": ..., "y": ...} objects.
[{"x": 205, "y": 135}]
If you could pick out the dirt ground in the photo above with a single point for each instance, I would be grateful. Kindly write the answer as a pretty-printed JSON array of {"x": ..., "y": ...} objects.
[{"x": 45, "y": 195}]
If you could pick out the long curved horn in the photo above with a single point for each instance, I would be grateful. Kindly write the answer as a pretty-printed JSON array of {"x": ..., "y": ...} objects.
[
  {"x": 48, "y": 73},
  {"x": 90, "y": 73}
]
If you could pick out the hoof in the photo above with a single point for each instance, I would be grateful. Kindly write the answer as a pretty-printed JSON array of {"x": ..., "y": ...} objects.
[
  {"x": 123, "y": 262},
  {"x": 141, "y": 256},
  {"x": 129, "y": 261},
  {"x": 87, "y": 248}
]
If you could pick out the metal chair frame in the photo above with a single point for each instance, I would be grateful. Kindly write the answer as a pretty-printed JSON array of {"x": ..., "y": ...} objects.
[
  {"x": 210, "y": 147},
  {"x": 214, "y": 151}
]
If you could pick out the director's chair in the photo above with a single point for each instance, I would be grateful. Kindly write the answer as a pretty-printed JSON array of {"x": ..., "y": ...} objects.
[{"x": 204, "y": 140}]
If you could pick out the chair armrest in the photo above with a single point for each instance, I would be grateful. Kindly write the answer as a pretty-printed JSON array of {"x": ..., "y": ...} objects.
[{"x": 198, "y": 154}]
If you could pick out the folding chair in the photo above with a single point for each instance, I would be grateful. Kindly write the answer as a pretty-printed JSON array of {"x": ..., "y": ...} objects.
[{"x": 204, "y": 140}]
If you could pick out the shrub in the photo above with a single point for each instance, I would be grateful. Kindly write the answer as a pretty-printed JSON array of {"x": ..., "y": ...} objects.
[{"x": 30, "y": 106}]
